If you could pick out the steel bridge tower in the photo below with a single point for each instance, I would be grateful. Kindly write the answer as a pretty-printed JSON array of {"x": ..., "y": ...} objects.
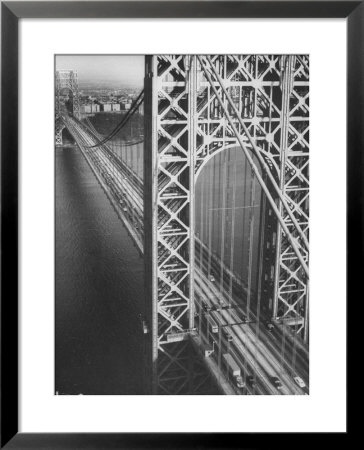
[
  {"x": 195, "y": 107},
  {"x": 65, "y": 81}
]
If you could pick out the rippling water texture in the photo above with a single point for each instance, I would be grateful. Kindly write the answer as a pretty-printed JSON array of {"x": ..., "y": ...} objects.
[{"x": 99, "y": 288}]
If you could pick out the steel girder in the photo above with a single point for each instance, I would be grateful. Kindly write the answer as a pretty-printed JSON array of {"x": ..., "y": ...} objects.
[{"x": 185, "y": 127}]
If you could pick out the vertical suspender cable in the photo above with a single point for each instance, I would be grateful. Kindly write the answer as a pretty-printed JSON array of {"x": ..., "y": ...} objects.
[
  {"x": 251, "y": 210},
  {"x": 232, "y": 242},
  {"x": 201, "y": 237},
  {"x": 244, "y": 242}
]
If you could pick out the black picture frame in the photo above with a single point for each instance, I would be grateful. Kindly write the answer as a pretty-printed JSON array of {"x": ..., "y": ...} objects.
[{"x": 11, "y": 12}]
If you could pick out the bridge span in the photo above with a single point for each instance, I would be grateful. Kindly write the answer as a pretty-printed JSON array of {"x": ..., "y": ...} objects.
[{"x": 196, "y": 107}]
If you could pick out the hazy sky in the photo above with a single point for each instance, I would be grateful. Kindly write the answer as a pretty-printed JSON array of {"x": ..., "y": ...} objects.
[{"x": 126, "y": 69}]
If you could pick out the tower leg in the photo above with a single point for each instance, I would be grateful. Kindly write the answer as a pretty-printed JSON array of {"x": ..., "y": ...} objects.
[
  {"x": 169, "y": 246},
  {"x": 59, "y": 128}
]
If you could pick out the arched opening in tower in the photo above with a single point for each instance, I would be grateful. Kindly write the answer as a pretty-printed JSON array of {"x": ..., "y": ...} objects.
[
  {"x": 229, "y": 211},
  {"x": 67, "y": 137},
  {"x": 66, "y": 100}
]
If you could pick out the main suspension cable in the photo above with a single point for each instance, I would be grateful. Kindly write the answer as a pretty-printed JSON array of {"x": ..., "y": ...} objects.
[{"x": 136, "y": 104}]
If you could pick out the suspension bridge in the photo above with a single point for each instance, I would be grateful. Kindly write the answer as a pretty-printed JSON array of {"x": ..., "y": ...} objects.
[{"x": 214, "y": 192}]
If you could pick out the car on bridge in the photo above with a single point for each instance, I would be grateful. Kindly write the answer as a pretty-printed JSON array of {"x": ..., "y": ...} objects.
[
  {"x": 250, "y": 381},
  {"x": 206, "y": 307},
  {"x": 234, "y": 370},
  {"x": 299, "y": 382},
  {"x": 213, "y": 325},
  {"x": 228, "y": 335},
  {"x": 276, "y": 382},
  {"x": 239, "y": 382}
]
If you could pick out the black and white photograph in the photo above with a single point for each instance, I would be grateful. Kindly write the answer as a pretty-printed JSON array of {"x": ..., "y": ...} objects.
[{"x": 181, "y": 224}]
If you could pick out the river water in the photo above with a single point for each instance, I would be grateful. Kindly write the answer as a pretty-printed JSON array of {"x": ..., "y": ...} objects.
[{"x": 99, "y": 288}]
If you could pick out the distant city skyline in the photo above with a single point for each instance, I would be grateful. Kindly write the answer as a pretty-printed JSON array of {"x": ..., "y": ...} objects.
[{"x": 126, "y": 70}]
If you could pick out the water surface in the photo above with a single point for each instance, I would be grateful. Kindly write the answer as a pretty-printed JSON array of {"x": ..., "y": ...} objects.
[{"x": 99, "y": 288}]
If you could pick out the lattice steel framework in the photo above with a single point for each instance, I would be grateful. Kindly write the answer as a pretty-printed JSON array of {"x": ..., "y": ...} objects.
[
  {"x": 169, "y": 171},
  {"x": 186, "y": 109},
  {"x": 291, "y": 286},
  {"x": 65, "y": 80}
]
